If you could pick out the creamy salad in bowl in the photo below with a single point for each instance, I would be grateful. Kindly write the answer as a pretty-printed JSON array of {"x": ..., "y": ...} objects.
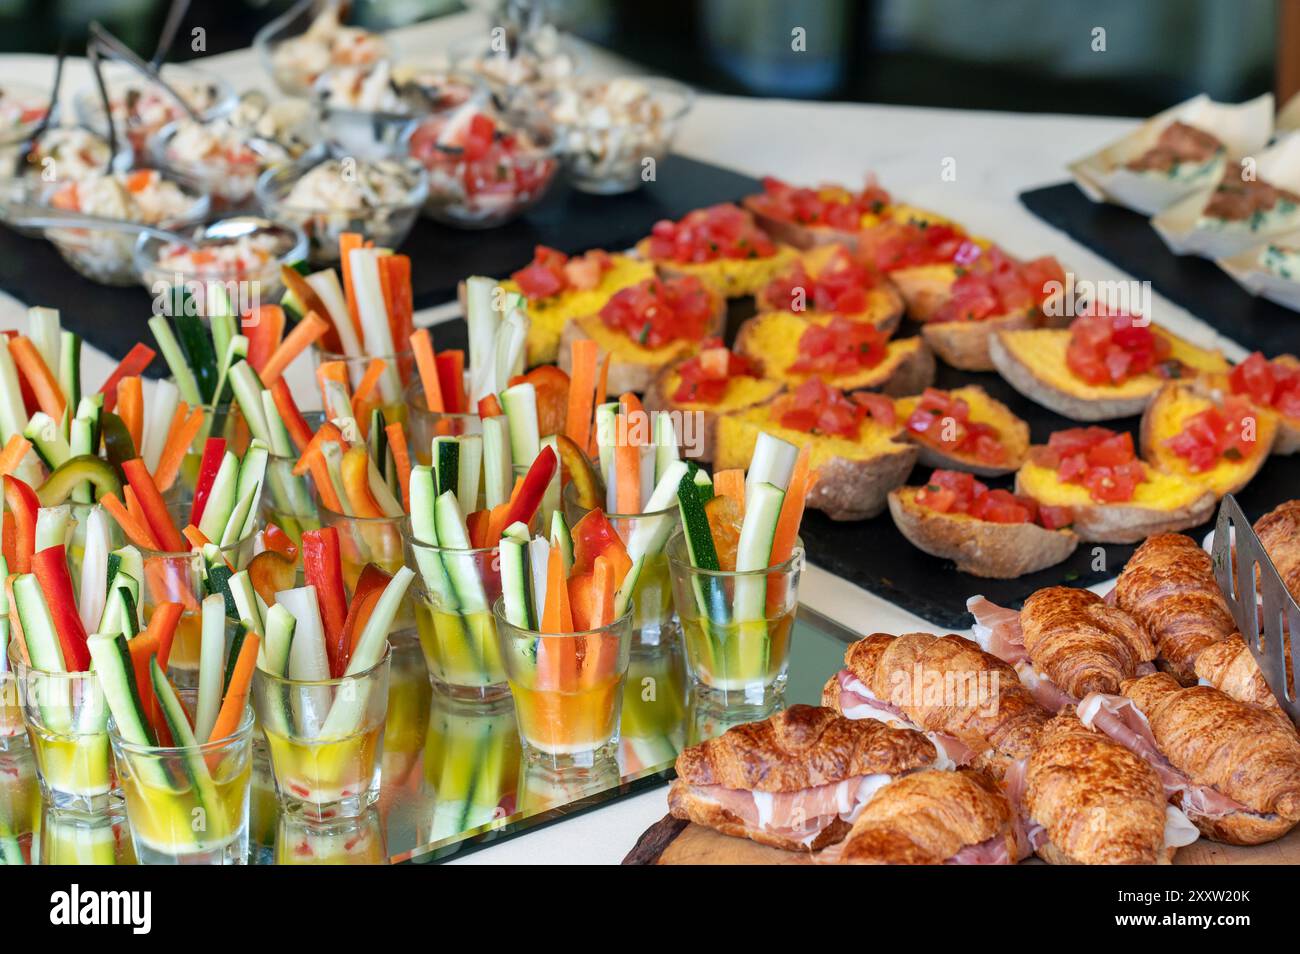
[
  {"x": 224, "y": 155},
  {"x": 140, "y": 108},
  {"x": 245, "y": 248},
  {"x": 297, "y": 61}
]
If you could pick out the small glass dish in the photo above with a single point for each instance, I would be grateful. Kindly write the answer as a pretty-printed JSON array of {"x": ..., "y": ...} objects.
[
  {"x": 542, "y": 60},
  {"x": 363, "y": 113},
  {"x": 224, "y": 158},
  {"x": 242, "y": 254},
  {"x": 308, "y": 39},
  {"x": 351, "y": 207},
  {"x": 141, "y": 107}
]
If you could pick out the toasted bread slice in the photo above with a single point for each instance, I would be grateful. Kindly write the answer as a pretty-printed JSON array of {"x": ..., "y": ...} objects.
[
  {"x": 1167, "y": 415},
  {"x": 742, "y": 393},
  {"x": 733, "y": 277},
  {"x": 771, "y": 341},
  {"x": 925, "y": 287},
  {"x": 1162, "y": 503},
  {"x": 1000, "y": 551},
  {"x": 853, "y": 476},
  {"x": 1011, "y": 431},
  {"x": 884, "y": 303},
  {"x": 1033, "y": 362}
]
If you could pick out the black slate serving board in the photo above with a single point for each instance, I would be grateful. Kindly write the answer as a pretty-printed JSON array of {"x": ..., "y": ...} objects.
[{"x": 1197, "y": 284}]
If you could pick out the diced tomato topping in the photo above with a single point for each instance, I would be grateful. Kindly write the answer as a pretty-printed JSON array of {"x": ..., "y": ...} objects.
[
  {"x": 704, "y": 377},
  {"x": 1227, "y": 433},
  {"x": 707, "y": 235},
  {"x": 952, "y": 491},
  {"x": 840, "y": 286},
  {"x": 943, "y": 420},
  {"x": 815, "y": 408},
  {"x": 840, "y": 347},
  {"x": 894, "y": 245},
  {"x": 657, "y": 311},
  {"x": 552, "y": 272},
  {"x": 1108, "y": 348},
  {"x": 828, "y": 206},
  {"x": 1271, "y": 384},
  {"x": 879, "y": 408},
  {"x": 997, "y": 284},
  {"x": 1094, "y": 457}
]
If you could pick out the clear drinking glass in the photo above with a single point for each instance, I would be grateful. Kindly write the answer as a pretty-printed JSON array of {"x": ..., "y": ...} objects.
[
  {"x": 568, "y": 689},
  {"x": 348, "y": 841},
  {"x": 289, "y": 501},
  {"x": 325, "y": 738},
  {"x": 391, "y": 389},
  {"x": 77, "y": 838},
  {"x": 423, "y": 425},
  {"x": 651, "y": 729},
  {"x": 188, "y": 805},
  {"x": 735, "y": 661}
]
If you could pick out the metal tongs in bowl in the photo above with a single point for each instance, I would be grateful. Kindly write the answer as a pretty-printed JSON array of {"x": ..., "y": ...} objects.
[{"x": 1263, "y": 608}]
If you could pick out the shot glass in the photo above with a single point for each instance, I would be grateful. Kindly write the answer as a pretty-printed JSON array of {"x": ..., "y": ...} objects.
[
  {"x": 453, "y": 613},
  {"x": 423, "y": 425},
  {"x": 20, "y": 805},
  {"x": 391, "y": 389},
  {"x": 362, "y": 540},
  {"x": 348, "y": 841},
  {"x": 472, "y": 760},
  {"x": 188, "y": 805},
  {"x": 325, "y": 739},
  {"x": 75, "y": 838},
  {"x": 568, "y": 689},
  {"x": 735, "y": 657},
  {"x": 654, "y": 620},
  {"x": 289, "y": 501},
  {"x": 67, "y": 725},
  {"x": 652, "y": 729}
]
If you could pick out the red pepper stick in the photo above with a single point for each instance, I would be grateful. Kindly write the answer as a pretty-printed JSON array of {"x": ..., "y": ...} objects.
[
  {"x": 297, "y": 426},
  {"x": 137, "y": 359},
  {"x": 23, "y": 504},
  {"x": 50, "y": 568},
  {"x": 214, "y": 451},
  {"x": 322, "y": 562},
  {"x": 529, "y": 496},
  {"x": 451, "y": 379},
  {"x": 155, "y": 509}
]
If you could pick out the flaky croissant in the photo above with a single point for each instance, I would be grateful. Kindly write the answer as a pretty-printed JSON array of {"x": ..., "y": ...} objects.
[
  {"x": 1230, "y": 668},
  {"x": 1279, "y": 531},
  {"x": 1080, "y": 643},
  {"x": 1168, "y": 586}
]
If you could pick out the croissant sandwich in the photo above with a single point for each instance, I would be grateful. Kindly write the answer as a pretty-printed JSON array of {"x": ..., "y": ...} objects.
[
  {"x": 1085, "y": 799},
  {"x": 1168, "y": 586},
  {"x": 1229, "y": 667},
  {"x": 796, "y": 780},
  {"x": 1234, "y": 768},
  {"x": 932, "y": 818},
  {"x": 1064, "y": 643},
  {"x": 1279, "y": 532},
  {"x": 970, "y": 703}
]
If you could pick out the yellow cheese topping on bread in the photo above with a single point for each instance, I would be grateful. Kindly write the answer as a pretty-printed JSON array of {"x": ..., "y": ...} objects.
[
  {"x": 1168, "y": 417},
  {"x": 1160, "y": 491},
  {"x": 738, "y": 432},
  {"x": 733, "y": 277},
  {"x": 773, "y": 340},
  {"x": 617, "y": 343},
  {"x": 742, "y": 392}
]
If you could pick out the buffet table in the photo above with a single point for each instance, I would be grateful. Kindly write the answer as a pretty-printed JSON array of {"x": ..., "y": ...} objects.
[{"x": 995, "y": 157}]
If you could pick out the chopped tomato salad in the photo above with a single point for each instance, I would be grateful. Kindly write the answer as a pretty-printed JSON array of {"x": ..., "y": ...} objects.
[
  {"x": 552, "y": 272},
  {"x": 954, "y": 491},
  {"x": 1268, "y": 383},
  {"x": 996, "y": 284},
  {"x": 944, "y": 421},
  {"x": 815, "y": 408},
  {"x": 840, "y": 347},
  {"x": 840, "y": 286},
  {"x": 704, "y": 377},
  {"x": 707, "y": 235},
  {"x": 1096, "y": 458},
  {"x": 1112, "y": 348},
  {"x": 658, "y": 311},
  {"x": 828, "y": 206},
  {"x": 1215, "y": 434}
]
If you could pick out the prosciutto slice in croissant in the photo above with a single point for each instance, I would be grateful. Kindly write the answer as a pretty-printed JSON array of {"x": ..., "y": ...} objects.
[
  {"x": 1086, "y": 799},
  {"x": 1168, "y": 586},
  {"x": 1234, "y": 768},
  {"x": 1064, "y": 643},
  {"x": 932, "y": 818},
  {"x": 971, "y": 703},
  {"x": 796, "y": 780}
]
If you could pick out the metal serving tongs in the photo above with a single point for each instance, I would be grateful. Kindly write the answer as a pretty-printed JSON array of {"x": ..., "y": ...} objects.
[
  {"x": 111, "y": 46},
  {"x": 30, "y": 215},
  {"x": 1264, "y": 610}
]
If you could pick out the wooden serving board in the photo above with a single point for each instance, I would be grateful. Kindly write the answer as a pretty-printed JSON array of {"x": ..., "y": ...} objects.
[{"x": 672, "y": 841}]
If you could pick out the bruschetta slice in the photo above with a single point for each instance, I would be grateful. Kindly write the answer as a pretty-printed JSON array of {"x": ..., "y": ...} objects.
[
  {"x": 1114, "y": 496},
  {"x": 721, "y": 245},
  {"x": 1271, "y": 385},
  {"x": 559, "y": 288},
  {"x": 1104, "y": 366},
  {"x": 845, "y": 354},
  {"x": 806, "y": 217},
  {"x": 964, "y": 429},
  {"x": 701, "y": 388},
  {"x": 646, "y": 327},
  {"x": 829, "y": 279},
  {"x": 1221, "y": 445},
  {"x": 988, "y": 533},
  {"x": 857, "y": 458}
]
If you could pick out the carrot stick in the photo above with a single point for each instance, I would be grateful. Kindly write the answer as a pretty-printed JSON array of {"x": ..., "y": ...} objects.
[
  {"x": 294, "y": 422},
  {"x": 328, "y": 431},
  {"x": 152, "y": 505},
  {"x": 143, "y": 648},
  {"x": 167, "y": 581},
  {"x": 557, "y": 614},
  {"x": 130, "y": 408},
  {"x": 602, "y": 391},
  {"x": 232, "y": 707},
  {"x": 347, "y": 242},
  {"x": 137, "y": 359},
  {"x": 577, "y": 424},
  {"x": 426, "y": 364},
  {"x": 177, "y": 447},
  {"x": 369, "y": 381},
  {"x": 731, "y": 483},
  {"x": 602, "y": 602},
  {"x": 16, "y": 449},
  {"x": 197, "y": 538},
  {"x": 401, "y": 308},
  {"x": 627, "y": 470},
  {"x": 163, "y": 622},
  {"x": 137, "y": 530},
  {"x": 320, "y": 476},
  {"x": 497, "y": 523},
  {"x": 802, "y": 479},
  {"x": 332, "y": 371},
  {"x": 310, "y": 329},
  {"x": 402, "y": 458},
  {"x": 265, "y": 329},
  {"x": 45, "y": 386}
]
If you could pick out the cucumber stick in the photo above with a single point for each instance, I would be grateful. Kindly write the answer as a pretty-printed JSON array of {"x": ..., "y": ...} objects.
[
  {"x": 446, "y": 463},
  {"x": 248, "y": 392},
  {"x": 70, "y": 367},
  {"x": 221, "y": 498},
  {"x": 46, "y": 436},
  {"x": 772, "y": 463},
  {"x": 111, "y": 657},
  {"x": 212, "y": 665},
  {"x": 517, "y": 578},
  {"x": 498, "y": 464},
  {"x": 13, "y": 413},
  {"x": 754, "y": 552},
  {"x": 176, "y": 361},
  {"x": 53, "y": 526},
  {"x": 520, "y": 404},
  {"x": 665, "y": 435},
  {"x": 710, "y": 595},
  {"x": 273, "y": 657},
  {"x": 471, "y": 470},
  {"x": 562, "y": 538},
  {"x": 462, "y": 568},
  {"x": 42, "y": 638},
  {"x": 551, "y": 501},
  {"x": 196, "y": 766},
  {"x": 248, "y": 605}
]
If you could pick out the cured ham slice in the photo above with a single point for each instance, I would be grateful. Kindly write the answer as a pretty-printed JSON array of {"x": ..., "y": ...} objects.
[
  {"x": 800, "y": 816},
  {"x": 997, "y": 630},
  {"x": 858, "y": 702}
]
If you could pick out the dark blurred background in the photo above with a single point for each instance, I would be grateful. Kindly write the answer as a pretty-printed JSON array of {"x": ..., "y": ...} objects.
[{"x": 1025, "y": 55}]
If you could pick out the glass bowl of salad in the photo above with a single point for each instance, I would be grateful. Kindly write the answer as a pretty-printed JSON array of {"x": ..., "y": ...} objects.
[
  {"x": 484, "y": 168},
  {"x": 527, "y": 74},
  {"x": 59, "y": 154},
  {"x": 146, "y": 196},
  {"x": 378, "y": 198},
  {"x": 141, "y": 107},
  {"x": 22, "y": 107},
  {"x": 224, "y": 156},
  {"x": 242, "y": 254},
  {"x": 363, "y": 112},
  {"x": 609, "y": 129},
  {"x": 310, "y": 39}
]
